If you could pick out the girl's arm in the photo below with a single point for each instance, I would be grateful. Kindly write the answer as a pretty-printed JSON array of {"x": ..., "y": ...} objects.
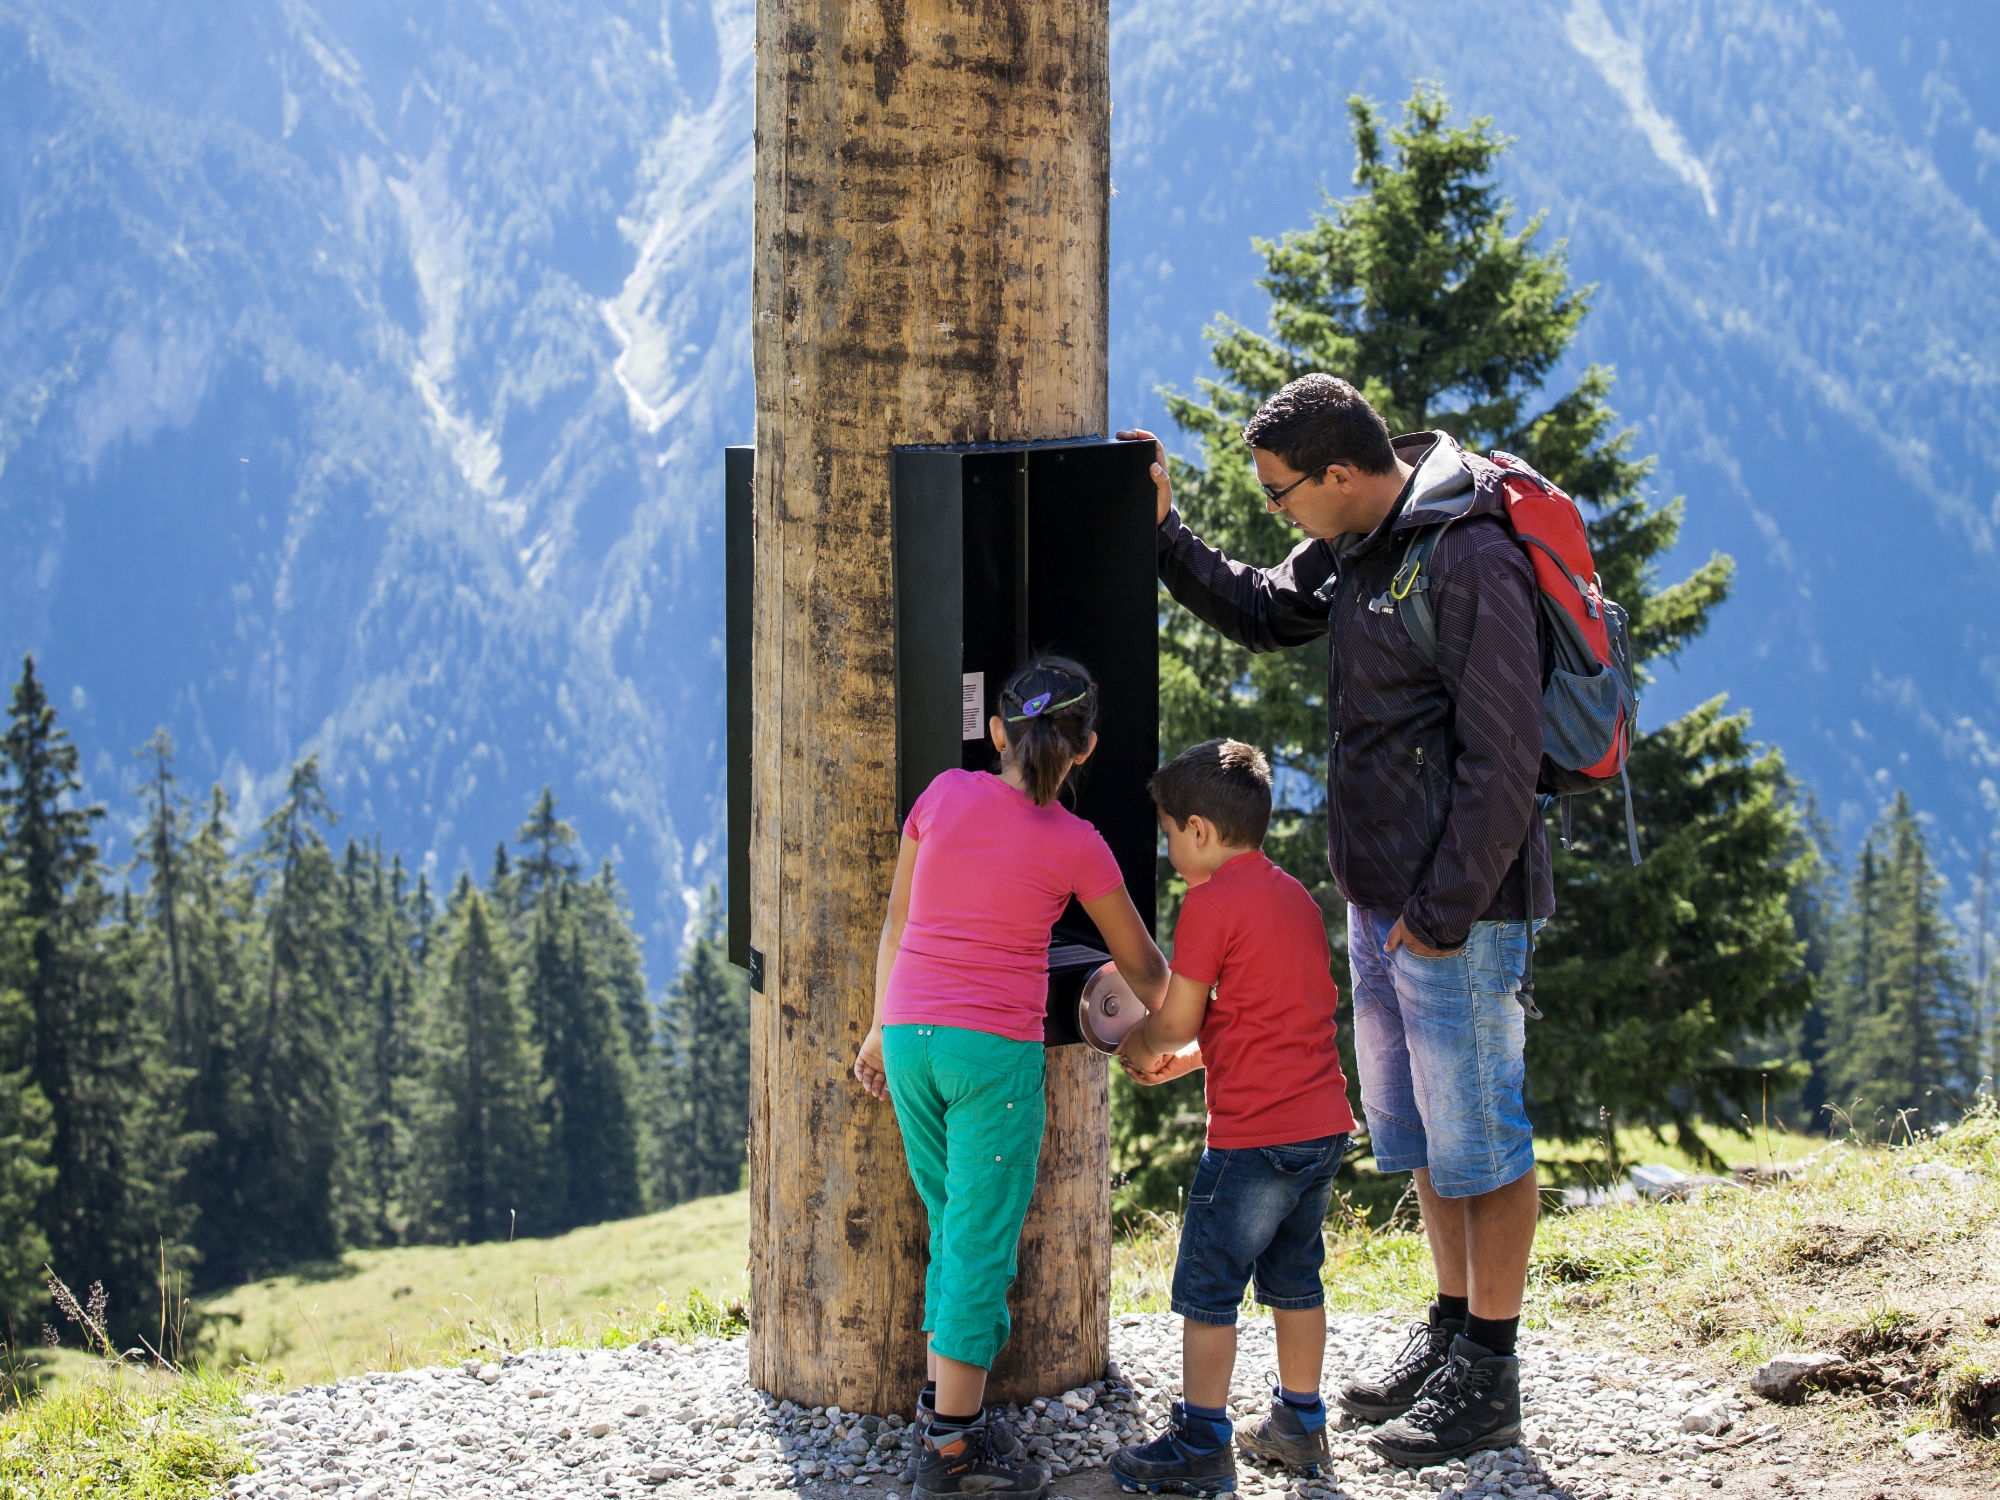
[
  {"x": 868, "y": 1069},
  {"x": 1140, "y": 962}
]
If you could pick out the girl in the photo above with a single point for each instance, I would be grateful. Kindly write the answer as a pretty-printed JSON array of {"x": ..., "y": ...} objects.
[{"x": 986, "y": 866}]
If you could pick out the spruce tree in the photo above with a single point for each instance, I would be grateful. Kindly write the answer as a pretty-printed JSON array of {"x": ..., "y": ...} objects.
[
  {"x": 377, "y": 936},
  {"x": 480, "y": 1139},
  {"x": 1902, "y": 1033},
  {"x": 593, "y": 1132},
  {"x": 109, "y": 1210},
  {"x": 710, "y": 1030},
  {"x": 270, "y": 1189},
  {"x": 25, "y": 1135},
  {"x": 1422, "y": 291}
]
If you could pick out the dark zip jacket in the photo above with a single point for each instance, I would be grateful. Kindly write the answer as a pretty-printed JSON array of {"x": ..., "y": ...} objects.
[{"x": 1430, "y": 770}]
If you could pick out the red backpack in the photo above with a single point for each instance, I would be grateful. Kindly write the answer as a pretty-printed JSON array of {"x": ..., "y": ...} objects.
[{"x": 1589, "y": 697}]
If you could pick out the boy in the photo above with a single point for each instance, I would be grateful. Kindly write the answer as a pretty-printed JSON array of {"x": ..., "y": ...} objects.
[{"x": 1278, "y": 1120}]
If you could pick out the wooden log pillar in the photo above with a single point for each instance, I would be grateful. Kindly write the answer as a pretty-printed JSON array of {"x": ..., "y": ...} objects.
[{"x": 932, "y": 184}]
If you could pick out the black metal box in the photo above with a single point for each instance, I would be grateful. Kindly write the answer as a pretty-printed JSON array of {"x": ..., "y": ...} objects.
[{"x": 999, "y": 552}]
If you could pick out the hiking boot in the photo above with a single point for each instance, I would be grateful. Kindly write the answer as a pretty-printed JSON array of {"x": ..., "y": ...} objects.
[
  {"x": 1384, "y": 1397},
  {"x": 1473, "y": 1403},
  {"x": 919, "y": 1429},
  {"x": 1000, "y": 1438},
  {"x": 1172, "y": 1461},
  {"x": 1284, "y": 1438},
  {"x": 969, "y": 1462}
]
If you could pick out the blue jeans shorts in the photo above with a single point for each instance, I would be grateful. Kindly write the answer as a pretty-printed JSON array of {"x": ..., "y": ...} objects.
[
  {"x": 1255, "y": 1212},
  {"x": 1439, "y": 1043}
]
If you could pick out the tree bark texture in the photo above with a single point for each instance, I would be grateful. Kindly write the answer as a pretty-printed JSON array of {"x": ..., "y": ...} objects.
[{"x": 932, "y": 186}]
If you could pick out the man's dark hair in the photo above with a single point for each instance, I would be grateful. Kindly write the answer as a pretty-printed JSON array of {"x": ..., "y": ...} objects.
[
  {"x": 1224, "y": 781},
  {"x": 1319, "y": 420}
]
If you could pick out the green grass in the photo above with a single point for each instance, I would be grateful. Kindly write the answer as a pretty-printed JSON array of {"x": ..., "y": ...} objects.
[
  {"x": 124, "y": 1432},
  {"x": 395, "y": 1309}
]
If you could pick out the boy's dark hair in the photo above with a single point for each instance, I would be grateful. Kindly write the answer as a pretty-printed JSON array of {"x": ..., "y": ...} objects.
[
  {"x": 1050, "y": 709},
  {"x": 1224, "y": 781},
  {"x": 1319, "y": 420}
]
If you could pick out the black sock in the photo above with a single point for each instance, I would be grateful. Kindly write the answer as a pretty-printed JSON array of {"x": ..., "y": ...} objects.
[
  {"x": 927, "y": 1397},
  {"x": 1497, "y": 1334},
  {"x": 1453, "y": 1307},
  {"x": 942, "y": 1424}
]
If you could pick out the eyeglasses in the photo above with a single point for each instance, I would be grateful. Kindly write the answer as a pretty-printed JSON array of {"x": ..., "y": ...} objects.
[{"x": 1277, "y": 497}]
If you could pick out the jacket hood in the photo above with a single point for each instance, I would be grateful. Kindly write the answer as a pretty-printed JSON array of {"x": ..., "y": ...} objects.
[{"x": 1449, "y": 482}]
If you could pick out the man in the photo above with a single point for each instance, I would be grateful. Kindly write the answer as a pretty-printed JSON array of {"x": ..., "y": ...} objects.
[{"x": 1434, "y": 839}]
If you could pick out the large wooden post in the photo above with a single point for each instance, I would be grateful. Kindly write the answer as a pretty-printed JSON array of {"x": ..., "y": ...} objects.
[{"x": 932, "y": 185}]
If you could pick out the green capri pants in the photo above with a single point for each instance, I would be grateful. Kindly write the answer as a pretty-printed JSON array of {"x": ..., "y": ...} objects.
[{"x": 970, "y": 1106}]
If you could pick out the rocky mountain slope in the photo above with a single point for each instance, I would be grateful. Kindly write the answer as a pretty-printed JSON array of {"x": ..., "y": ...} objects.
[{"x": 362, "y": 373}]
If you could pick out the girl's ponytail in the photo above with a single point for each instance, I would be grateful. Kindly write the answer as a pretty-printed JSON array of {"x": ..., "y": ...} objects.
[{"x": 1050, "y": 709}]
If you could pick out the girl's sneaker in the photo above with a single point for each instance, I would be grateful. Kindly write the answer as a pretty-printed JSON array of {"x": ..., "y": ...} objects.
[
  {"x": 968, "y": 1461},
  {"x": 1284, "y": 1438},
  {"x": 1173, "y": 1461}
]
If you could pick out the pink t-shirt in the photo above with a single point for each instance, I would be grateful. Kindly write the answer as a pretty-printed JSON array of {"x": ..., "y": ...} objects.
[{"x": 993, "y": 874}]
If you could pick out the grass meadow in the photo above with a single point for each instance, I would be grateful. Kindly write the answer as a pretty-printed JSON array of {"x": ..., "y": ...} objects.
[{"x": 1890, "y": 1254}]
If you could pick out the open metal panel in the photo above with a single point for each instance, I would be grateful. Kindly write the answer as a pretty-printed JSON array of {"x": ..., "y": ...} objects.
[
  {"x": 1006, "y": 551},
  {"x": 998, "y": 552}
]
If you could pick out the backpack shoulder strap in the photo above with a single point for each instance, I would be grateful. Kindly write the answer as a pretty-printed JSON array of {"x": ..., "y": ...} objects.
[{"x": 1409, "y": 590}]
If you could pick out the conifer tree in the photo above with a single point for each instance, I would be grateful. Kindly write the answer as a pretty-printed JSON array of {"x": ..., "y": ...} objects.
[
  {"x": 548, "y": 840},
  {"x": 480, "y": 1138},
  {"x": 270, "y": 1190},
  {"x": 1902, "y": 1033},
  {"x": 109, "y": 1210},
  {"x": 380, "y": 974},
  {"x": 1421, "y": 290},
  {"x": 593, "y": 1134},
  {"x": 709, "y": 1024},
  {"x": 25, "y": 1132}
]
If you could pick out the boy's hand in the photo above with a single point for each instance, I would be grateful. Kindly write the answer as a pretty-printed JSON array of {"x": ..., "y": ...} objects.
[
  {"x": 868, "y": 1069},
  {"x": 1177, "y": 1064},
  {"x": 1136, "y": 1058}
]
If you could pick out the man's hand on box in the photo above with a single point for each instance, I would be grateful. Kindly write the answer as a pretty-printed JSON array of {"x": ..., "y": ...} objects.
[{"x": 1163, "y": 485}]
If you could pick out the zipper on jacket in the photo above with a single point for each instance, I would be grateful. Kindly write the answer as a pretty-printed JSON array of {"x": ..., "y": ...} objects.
[{"x": 1424, "y": 777}]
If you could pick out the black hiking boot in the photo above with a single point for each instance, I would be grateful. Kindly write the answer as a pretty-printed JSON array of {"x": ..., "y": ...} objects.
[
  {"x": 969, "y": 1462},
  {"x": 1171, "y": 1461},
  {"x": 1386, "y": 1396},
  {"x": 1283, "y": 1438},
  {"x": 1473, "y": 1403}
]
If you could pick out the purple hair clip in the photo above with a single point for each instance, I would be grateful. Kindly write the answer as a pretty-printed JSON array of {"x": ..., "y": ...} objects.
[{"x": 1038, "y": 705}]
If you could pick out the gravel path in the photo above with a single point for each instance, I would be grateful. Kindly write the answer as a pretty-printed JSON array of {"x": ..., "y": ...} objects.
[{"x": 679, "y": 1420}]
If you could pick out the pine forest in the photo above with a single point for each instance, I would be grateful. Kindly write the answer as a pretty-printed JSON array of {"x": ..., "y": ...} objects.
[{"x": 255, "y": 1047}]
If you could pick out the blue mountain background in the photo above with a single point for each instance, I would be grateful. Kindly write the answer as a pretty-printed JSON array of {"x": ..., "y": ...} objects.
[{"x": 364, "y": 373}]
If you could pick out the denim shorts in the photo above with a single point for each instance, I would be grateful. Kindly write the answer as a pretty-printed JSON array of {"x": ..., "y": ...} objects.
[
  {"x": 1255, "y": 1212},
  {"x": 1439, "y": 1043}
]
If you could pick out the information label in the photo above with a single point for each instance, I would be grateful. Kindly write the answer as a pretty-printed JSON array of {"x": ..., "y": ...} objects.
[{"x": 972, "y": 706}]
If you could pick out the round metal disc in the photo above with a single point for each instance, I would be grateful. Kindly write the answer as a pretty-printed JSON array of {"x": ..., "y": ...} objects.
[{"x": 1107, "y": 1009}]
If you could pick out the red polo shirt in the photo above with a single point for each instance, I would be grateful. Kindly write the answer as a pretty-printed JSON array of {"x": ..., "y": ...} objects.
[{"x": 1267, "y": 1042}]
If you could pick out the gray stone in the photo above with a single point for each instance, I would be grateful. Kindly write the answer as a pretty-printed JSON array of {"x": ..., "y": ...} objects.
[{"x": 1787, "y": 1378}]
